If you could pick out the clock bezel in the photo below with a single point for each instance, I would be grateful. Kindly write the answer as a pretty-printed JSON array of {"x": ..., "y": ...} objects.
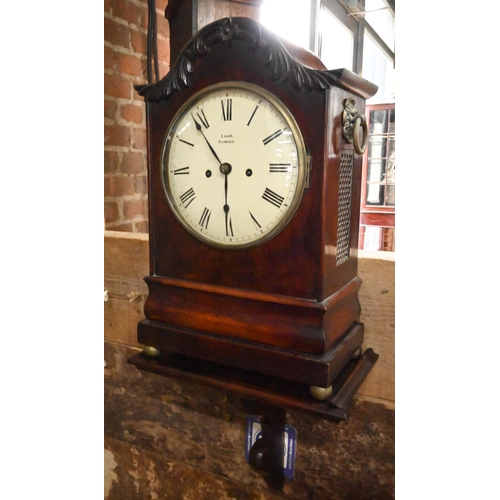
[{"x": 301, "y": 161}]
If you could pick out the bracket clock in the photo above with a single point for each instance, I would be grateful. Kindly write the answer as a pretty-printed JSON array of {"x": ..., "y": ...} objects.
[{"x": 254, "y": 184}]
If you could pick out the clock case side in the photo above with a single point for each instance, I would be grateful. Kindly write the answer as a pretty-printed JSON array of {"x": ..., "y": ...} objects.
[
  {"x": 290, "y": 300},
  {"x": 341, "y": 197}
]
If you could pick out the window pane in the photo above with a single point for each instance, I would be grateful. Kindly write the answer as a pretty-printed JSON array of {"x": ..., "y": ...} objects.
[
  {"x": 379, "y": 238},
  {"x": 391, "y": 149},
  {"x": 374, "y": 145},
  {"x": 381, "y": 167},
  {"x": 392, "y": 122},
  {"x": 391, "y": 195},
  {"x": 376, "y": 169},
  {"x": 381, "y": 21},
  {"x": 378, "y": 69},
  {"x": 378, "y": 121},
  {"x": 336, "y": 42},
  {"x": 289, "y": 19},
  {"x": 377, "y": 148},
  {"x": 375, "y": 194},
  {"x": 372, "y": 238}
]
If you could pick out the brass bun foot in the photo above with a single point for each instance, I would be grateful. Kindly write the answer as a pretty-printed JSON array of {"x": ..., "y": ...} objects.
[
  {"x": 320, "y": 393},
  {"x": 152, "y": 352},
  {"x": 358, "y": 353}
]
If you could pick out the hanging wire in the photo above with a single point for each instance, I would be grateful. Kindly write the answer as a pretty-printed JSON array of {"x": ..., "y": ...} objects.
[{"x": 152, "y": 46}]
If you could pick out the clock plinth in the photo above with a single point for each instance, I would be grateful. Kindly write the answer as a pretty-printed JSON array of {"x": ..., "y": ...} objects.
[{"x": 309, "y": 369}]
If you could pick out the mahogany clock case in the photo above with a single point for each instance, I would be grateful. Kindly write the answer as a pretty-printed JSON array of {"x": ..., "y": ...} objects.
[{"x": 291, "y": 292}]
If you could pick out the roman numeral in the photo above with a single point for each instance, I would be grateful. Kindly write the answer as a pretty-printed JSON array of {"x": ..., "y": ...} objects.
[
  {"x": 254, "y": 219},
  {"x": 267, "y": 140},
  {"x": 273, "y": 198},
  {"x": 186, "y": 142},
  {"x": 227, "y": 109},
  {"x": 251, "y": 118},
  {"x": 181, "y": 171},
  {"x": 188, "y": 197},
  {"x": 276, "y": 168},
  {"x": 205, "y": 218},
  {"x": 203, "y": 118}
]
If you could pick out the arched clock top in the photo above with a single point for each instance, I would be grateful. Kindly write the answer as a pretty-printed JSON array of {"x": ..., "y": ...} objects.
[{"x": 286, "y": 63}]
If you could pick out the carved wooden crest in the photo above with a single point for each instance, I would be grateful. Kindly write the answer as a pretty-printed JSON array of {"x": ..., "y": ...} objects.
[{"x": 282, "y": 65}]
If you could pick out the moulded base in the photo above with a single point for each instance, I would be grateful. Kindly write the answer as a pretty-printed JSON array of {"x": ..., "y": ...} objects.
[{"x": 279, "y": 321}]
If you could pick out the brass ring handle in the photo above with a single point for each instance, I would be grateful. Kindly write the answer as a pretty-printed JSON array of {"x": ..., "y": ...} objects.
[{"x": 360, "y": 120}]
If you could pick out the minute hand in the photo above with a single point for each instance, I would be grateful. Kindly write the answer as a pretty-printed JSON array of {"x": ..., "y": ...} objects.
[{"x": 198, "y": 127}]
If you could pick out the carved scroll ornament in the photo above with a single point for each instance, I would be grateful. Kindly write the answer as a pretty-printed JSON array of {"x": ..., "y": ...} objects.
[{"x": 282, "y": 64}]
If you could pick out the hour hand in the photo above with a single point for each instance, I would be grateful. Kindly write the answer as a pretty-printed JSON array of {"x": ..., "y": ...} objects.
[
  {"x": 197, "y": 125},
  {"x": 199, "y": 129}
]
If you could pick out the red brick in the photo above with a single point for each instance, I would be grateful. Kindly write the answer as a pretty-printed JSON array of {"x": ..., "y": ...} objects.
[
  {"x": 117, "y": 86},
  {"x": 130, "y": 65},
  {"x": 164, "y": 68},
  {"x": 111, "y": 211},
  {"x": 120, "y": 185},
  {"x": 126, "y": 228},
  {"x": 116, "y": 135},
  {"x": 126, "y": 10},
  {"x": 143, "y": 17},
  {"x": 107, "y": 186},
  {"x": 109, "y": 58},
  {"x": 132, "y": 163},
  {"x": 139, "y": 41},
  {"x": 133, "y": 208},
  {"x": 141, "y": 184},
  {"x": 163, "y": 51},
  {"x": 161, "y": 5},
  {"x": 139, "y": 138},
  {"x": 116, "y": 33},
  {"x": 111, "y": 161},
  {"x": 131, "y": 113},
  {"x": 144, "y": 62},
  {"x": 142, "y": 226},
  {"x": 162, "y": 26},
  {"x": 110, "y": 108}
]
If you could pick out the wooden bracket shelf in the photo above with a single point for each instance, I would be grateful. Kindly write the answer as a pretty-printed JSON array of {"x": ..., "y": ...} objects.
[
  {"x": 274, "y": 397},
  {"x": 262, "y": 388}
]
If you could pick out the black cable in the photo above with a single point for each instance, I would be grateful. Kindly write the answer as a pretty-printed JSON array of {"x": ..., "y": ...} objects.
[
  {"x": 155, "y": 44},
  {"x": 152, "y": 46}
]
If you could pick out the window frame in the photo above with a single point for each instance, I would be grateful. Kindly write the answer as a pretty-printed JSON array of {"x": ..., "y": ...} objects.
[
  {"x": 371, "y": 215},
  {"x": 354, "y": 23},
  {"x": 375, "y": 215},
  {"x": 349, "y": 22}
]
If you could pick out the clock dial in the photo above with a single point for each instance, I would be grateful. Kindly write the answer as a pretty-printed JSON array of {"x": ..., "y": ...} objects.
[{"x": 234, "y": 165}]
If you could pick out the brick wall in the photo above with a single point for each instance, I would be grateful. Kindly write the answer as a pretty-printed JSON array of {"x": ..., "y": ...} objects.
[{"x": 125, "y": 64}]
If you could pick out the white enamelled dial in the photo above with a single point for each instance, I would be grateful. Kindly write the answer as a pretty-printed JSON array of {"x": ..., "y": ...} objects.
[{"x": 234, "y": 165}]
